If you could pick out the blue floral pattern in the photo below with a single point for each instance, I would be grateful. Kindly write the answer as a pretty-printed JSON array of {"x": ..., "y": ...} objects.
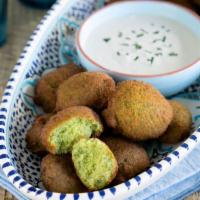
[{"x": 18, "y": 110}]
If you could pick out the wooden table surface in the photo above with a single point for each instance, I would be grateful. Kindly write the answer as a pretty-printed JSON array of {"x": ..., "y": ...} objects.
[{"x": 21, "y": 22}]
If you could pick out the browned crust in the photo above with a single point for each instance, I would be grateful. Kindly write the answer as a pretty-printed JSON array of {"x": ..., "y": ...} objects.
[
  {"x": 179, "y": 128},
  {"x": 138, "y": 111},
  {"x": 33, "y": 136},
  {"x": 45, "y": 90},
  {"x": 63, "y": 116},
  {"x": 132, "y": 158},
  {"x": 91, "y": 89},
  {"x": 115, "y": 170},
  {"x": 58, "y": 175}
]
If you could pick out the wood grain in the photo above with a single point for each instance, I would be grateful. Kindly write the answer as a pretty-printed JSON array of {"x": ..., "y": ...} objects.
[{"x": 21, "y": 22}]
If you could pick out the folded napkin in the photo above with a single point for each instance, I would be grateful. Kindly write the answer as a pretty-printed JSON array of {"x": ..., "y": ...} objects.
[{"x": 175, "y": 185}]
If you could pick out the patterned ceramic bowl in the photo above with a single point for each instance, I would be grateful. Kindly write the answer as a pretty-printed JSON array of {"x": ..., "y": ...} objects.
[{"x": 51, "y": 44}]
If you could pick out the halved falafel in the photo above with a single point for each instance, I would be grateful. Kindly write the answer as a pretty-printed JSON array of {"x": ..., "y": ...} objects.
[
  {"x": 68, "y": 126},
  {"x": 58, "y": 174},
  {"x": 91, "y": 89},
  {"x": 138, "y": 111},
  {"x": 45, "y": 90},
  {"x": 94, "y": 162},
  {"x": 180, "y": 126}
]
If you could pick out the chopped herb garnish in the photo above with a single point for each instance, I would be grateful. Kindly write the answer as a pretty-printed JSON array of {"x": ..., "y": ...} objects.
[
  {"x": 158, "y": 54},
  {"x": 120, "y": 34},
  {"x": 127, "y": 54},
  {"x": 118, "y": 53},
  {"x": 140, "y": 35},
  {"x": 163, "y": 26},
  {"x": 155, "y": 32},
  {"x": 125, "y": 44},
  {"x": 164, "y": 39},
  {"x": 148, "y": 51},
  {"x": 107, "y": 39},
  {"x": 156, "y": 40},
  {"x": 151, "y": 60},
  {"x": 173, "y": 54},
  {"x": 144, "y": 31},
  {"x": 158, "y": 48},
  {"x": 136, "y": 58},
  {"x": 137, "y": 46},
  {"x": 132, "y": 31},
  {"x": 127, "y": 38}
]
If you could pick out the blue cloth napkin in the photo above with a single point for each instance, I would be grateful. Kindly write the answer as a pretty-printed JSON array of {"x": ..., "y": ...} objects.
[{"x": 175, "y": 185}]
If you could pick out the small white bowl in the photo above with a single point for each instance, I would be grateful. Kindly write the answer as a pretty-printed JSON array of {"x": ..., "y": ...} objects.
[{"x": 168, "y": 83}]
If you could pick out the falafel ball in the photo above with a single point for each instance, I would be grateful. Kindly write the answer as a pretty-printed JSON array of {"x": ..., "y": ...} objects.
[
  {"x": 132, "y": 159},
  {"x": 68, "y": 126},
  {"x": 45, "y": 90},
  {"x": 58, "y": 175},
  {"x": 91, "y": 89},
  {"x": 33, "y": 136},
  {"x": 180, "y": 126},
  {"x": 138, "y": 111},
  {"x": 94, "y": 162}
]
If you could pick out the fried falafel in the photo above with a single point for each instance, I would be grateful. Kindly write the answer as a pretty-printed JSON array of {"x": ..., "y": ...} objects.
[
  {"x": 180, "y": 126},
  {"x": 58, "y": 174},
  {"x": 45, "y": 90},
  {"x": 91, "y": 89},
  {"x": 33, "y": 136},
  {"x": 94, "y": 162},
  {"x": 68, "y": 126},
  {"x": 132, "y": 158},
  {"x": 138, "y": 111}
]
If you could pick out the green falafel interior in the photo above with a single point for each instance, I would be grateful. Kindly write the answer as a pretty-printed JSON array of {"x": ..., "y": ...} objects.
[
  {"x": 70, "y": 132},
  {"x": 94, "y": 162}
]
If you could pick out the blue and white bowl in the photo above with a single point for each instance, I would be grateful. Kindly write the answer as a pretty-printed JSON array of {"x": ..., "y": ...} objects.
[{"x": 51, "y": 44}]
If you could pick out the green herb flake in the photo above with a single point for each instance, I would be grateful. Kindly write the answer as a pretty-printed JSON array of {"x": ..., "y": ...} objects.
[
  {"x": 136, "y": 58},
  {"x": 158, "y": 48},
  {"x": 133, "y": 31},
  {"x": 127, "y": 38},
  {"x": 137, "y": 46},
  {"x": 127, "y": 54},
  {"x": 162, "y": 26},
  {"x": 173, "y": 54},
  {"x": 118, "y": 53},
  {"x": 151, "y": 60},
  {"x": 164, "y": 39},
  {"x": 156, "y": 40},
  {"x": 156, "y": 32},
  {"x": 120, "y": 34},
  {"x": 140, "y": 35},
  {"x": 106, "y": 39},
  {"x": 144, "y": 31}
]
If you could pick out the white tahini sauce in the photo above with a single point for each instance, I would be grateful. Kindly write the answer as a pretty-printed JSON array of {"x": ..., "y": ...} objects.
[{"x": 142, "y": 45}]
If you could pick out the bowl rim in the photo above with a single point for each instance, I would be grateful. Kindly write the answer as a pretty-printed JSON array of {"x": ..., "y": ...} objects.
[
  {"x": 87, "y": 57},
  {"x": 126, "y": 188}
]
